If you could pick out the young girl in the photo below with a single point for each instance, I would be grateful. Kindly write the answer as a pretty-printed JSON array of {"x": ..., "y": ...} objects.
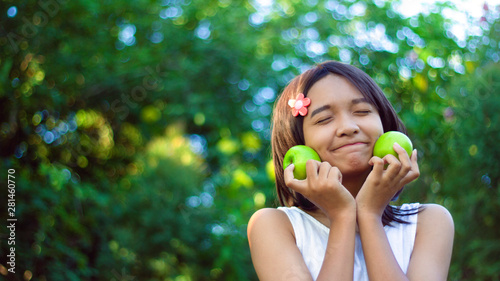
[{"x": 337, "y": 224}]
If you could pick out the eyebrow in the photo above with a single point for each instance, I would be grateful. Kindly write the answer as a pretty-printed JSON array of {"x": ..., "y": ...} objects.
[
  {"x": 326, "y": 107},
  {"x": 360, "y": 100},
  {"x": 318, "y": 110}
]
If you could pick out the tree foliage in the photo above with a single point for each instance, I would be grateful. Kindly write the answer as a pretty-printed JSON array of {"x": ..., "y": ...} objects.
[{"x": 139, "y": 130}]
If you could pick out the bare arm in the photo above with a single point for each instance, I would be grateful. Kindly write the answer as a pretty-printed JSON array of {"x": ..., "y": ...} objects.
[
  {"x": 431, "y": 257},
  {"x": 339, "y": 257},
  {"x": 380, "y": 261},
  {"x": 276, "y": 257},
  {"x": 275, "y": 254},
  {"x": 381, "y": 185}
]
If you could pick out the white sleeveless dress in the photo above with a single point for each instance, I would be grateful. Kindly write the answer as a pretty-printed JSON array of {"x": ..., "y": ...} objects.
[{"x": 312, "y": 236}]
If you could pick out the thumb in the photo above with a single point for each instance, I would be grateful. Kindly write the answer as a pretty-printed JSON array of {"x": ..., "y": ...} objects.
[{"x": 292, "y": 182}]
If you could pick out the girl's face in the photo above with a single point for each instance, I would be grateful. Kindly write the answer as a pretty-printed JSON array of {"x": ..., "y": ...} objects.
[{"x": 341, "y": 125}]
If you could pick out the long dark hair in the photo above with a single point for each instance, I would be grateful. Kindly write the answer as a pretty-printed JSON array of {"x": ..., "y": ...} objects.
[{"x": 287, "y": 131}]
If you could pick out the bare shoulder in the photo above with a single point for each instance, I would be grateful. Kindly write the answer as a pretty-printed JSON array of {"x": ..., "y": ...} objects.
[
  {"x": 435, "y": 230},
  {"x": 431, "y": 256},
  {"x": 267, "y": 212},
  {"x": 267, "y": 219},
  {"x": 434, "y": 215},
  {"x": 273, "y": 247}
]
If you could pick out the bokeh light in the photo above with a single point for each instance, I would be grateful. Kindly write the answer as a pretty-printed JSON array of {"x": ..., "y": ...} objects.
[
  {"x": 127, "y": 34},
  {"x": 12, "y": 11}
]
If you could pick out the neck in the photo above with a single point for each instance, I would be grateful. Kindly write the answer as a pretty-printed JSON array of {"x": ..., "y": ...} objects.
[{"x": 354, "y": 182}]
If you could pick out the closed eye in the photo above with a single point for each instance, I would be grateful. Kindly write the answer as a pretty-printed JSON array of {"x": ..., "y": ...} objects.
[
  {"x": 363, "y": 112},
  {"x": 324, "y": 120}
]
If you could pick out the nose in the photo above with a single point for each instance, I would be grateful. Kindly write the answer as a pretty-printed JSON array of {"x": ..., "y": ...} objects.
[{"x": 346, "y": 126}]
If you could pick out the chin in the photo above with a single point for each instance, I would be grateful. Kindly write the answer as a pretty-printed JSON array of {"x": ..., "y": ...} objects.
[
  {"x": 356, "y": 166},
  {"x": 355, "y": 170}
]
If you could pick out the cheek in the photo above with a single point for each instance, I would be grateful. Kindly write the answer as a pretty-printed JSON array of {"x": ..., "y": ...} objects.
[
  {"x": 374, "y": 127},
  {"x": 379, "y": 124},
  {"x": 317, "y": 139}
]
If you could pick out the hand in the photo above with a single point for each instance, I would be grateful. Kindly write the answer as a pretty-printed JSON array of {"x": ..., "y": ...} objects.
[
  {"x": 323, "y": 187},
  {"x": 382, "y": 184}
]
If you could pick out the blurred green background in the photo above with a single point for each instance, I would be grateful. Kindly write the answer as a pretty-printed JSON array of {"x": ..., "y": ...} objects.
[{"x": 139, "y": 130}]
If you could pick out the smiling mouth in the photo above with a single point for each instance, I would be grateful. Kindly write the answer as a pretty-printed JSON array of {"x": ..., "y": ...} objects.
[{"x": 350, "y": 145}]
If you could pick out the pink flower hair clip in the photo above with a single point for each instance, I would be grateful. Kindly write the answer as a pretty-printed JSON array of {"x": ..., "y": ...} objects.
[{"x": 299, "y": 105}]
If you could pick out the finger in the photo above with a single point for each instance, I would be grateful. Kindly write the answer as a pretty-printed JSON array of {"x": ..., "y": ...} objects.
[
  {"x": 335, "y": 174},
  {"x": 408, "y": 174},
  {"x": 393, "y": 165},
  {"x": 292, "y": 182},
  {"x": 312, "y": 168},
  {"x": 415, "y": 170},
  {"x": 289, "y": 173},
  {"x": 391, "y": 160},
  {"x": 414, "y": 157},
  {"x": 406, "y": 165},
  {"x": 378, "y": 165},
  {"x": 324, "y": 169},
  {"x": 402, "y": 154}
]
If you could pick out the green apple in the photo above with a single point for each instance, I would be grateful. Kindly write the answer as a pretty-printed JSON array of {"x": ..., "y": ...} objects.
[
  {"x": 298, "y": 156},
  {"x": 384, "y": 144}
]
